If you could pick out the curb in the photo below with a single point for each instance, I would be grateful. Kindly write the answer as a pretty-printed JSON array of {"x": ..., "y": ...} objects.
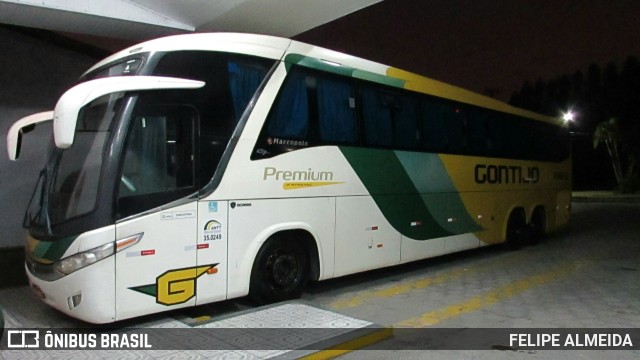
[{"x": 606, "y": 199}]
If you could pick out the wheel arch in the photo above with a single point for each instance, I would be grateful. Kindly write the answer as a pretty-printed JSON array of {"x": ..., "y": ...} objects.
[
  {"x": 310, "y": 245},
  {"x": 291, "y": 229},
  {"x": 241, "y": 267},
  {"x": 283, "y": 265}
]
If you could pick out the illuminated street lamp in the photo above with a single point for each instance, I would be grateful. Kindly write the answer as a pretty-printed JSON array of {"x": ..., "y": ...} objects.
[{"x": 568, "y": 116}]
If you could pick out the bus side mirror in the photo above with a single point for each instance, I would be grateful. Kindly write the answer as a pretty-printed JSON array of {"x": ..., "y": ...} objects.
[{"x": 23, "y": 126}]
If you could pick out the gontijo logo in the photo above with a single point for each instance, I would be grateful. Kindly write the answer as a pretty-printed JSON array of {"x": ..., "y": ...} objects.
[
  {"x": 502, "y": 174},
  {"x": 299, "y": 179}
]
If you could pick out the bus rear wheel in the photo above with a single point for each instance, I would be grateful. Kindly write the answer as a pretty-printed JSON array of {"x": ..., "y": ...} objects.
[
  {"x": 538, "y": 225},
  {"x": 517, "y": 230},
  {"x": 280, "y": 271}
]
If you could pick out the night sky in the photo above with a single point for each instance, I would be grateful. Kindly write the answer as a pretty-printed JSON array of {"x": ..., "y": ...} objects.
[{"x": 491, "y": 44}]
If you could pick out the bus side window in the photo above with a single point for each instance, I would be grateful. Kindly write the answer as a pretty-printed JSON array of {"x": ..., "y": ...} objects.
[
  {"x": 244, "y": 79},
  {"x": 434, "y": 133},
  {"x": 478, "y": 132},
  {"x": 289, "y": 119},
  {"x": 497, "y": 134},
  {"x": 377, "y": 108},
  {"x": 312, "y": 108},
  {"x": 390, "y": 117},
  {"x": 455, "y": 124},
  {"x": 514, "y": 146},
  {"x": 406, "y": 123},
  {"x": 231, "y": 81},
  {"x": 336, "y": 110}
]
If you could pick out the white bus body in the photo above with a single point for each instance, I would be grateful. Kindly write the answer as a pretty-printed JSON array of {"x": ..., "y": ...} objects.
[{"x": 198, "y": 168}]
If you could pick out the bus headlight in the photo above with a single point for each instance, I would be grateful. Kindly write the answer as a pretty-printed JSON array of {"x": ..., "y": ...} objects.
[
  {"x": 85, "y": 258},
  {"x": 78, "y": 261}
]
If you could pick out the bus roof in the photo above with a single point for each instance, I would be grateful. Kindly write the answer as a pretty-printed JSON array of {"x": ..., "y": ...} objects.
[
  {"x": 270, "y": 47},
  {"x": 278, "y": 48}
]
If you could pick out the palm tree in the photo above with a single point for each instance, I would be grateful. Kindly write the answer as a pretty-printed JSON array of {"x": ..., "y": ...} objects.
[{"x": 607, "y": 132}]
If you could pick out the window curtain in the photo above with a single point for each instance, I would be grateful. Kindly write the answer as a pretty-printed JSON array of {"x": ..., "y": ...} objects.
[
  {"x": 336, "y": 111},
  {"x": 434, "y": 131},
  {"x": 291, "y": 116},
  {"x": 377, "y": 119},
  {"x": 243, "y": 82},
  {"x": 406, "y": 123}
]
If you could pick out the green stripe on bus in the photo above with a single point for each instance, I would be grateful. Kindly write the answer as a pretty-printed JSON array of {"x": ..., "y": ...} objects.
[
  {"x": 318, "y": 64},
  {"x": 41, "y": 248},
  {"x": 394, "y": 192},
  {"x": 54, "y": 250},
  {"x": 340, "y": 69},
  {"x": 439, "y": 194}
]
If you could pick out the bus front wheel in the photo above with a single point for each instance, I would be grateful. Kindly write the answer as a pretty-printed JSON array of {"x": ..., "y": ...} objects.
[{"x": 280, "y": 271}]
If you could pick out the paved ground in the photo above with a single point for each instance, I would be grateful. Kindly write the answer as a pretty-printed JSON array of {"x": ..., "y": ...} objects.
[
  {"x": 585, "y": 277},
  {"x": 604, "y": 196}
]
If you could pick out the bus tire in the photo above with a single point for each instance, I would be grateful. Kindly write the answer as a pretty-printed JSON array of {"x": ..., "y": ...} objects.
[
  {"x": 538, "y": 225},
  {"x": 280, "y": 271},
  {"x": 517, "y": 231}
]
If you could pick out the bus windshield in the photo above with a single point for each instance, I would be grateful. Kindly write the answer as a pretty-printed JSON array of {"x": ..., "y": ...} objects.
[
  {"x": 68, "y": 185},
  {"x": 76, "y": 176}
]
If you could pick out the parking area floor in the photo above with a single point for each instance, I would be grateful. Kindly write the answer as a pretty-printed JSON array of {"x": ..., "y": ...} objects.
[{"x": 587, "y": 276}]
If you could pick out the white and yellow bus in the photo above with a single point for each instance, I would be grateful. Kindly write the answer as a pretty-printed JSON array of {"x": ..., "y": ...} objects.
[{"x": 203, "y": 167}]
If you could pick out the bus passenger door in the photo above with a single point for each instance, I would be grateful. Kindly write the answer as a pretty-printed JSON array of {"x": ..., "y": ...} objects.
[
  {"x": 211, "y": 249},
  {"x": 158, "y": 214}
]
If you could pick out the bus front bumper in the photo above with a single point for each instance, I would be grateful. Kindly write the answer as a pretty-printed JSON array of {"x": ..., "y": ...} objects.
[{"x": 87, "y": 294}]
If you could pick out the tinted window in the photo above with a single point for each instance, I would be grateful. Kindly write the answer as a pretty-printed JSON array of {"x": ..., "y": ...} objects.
[
  {"x": 444, "y": 126},
  {"x": 390, "y": 117},
  {"x": 313, "y": 108},
  {"x": 433, "y": 125},
  {"x": 478, "y": 139},
  {"x": 289, "y": 119},
  {"x": 336, "y": 110},
  {"x": 455, "y": 121},
  {"x": 316, "y": 108},
  {"x": 406, "y": 134},
  {"x": 177, "y": 138},
  {"x": 159, "y": 158},
  {"x": 377, "y": 113},
  {"x": 231, "y": 81},
  {"x": 76, "y": 180}
]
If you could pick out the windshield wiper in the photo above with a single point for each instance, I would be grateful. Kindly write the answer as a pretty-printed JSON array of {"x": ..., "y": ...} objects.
[
  {"x": 28, "y": 219},
  {"x": 43, "y": 205}
]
